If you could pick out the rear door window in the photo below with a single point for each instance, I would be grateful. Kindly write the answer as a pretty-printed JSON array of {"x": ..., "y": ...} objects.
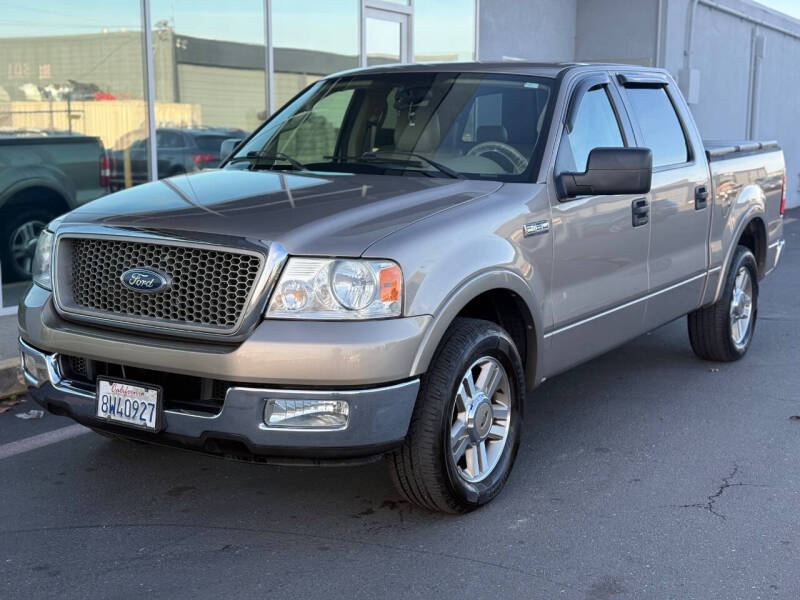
[{"x": 661, "y": 129}]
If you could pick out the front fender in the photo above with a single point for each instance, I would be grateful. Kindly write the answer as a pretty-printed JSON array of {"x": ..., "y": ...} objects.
[
  {"x": 450, "y": 258},
  {"x": 475, "y": 286}
]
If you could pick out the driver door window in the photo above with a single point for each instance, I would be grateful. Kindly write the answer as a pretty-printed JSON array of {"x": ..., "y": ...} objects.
[{"x": 596, "y": 126}]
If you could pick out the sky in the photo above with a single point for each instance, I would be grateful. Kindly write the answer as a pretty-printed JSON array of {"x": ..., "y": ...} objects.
[
  {"x": 326, "y": 25},
  {"x": 295, "y": 24},
  {"x": 790, "y": 7}
]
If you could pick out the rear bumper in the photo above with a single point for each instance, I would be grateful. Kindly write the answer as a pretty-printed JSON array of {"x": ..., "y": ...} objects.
[{"x": 378, "y": 417}]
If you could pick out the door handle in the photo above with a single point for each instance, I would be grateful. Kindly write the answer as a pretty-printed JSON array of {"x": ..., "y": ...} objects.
[
  {"x": 640, "y": 212},
  {"x": 700, "y": 197}
]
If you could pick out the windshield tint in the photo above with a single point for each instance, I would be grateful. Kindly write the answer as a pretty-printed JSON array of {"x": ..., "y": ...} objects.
[{"x": 475, "y": 125}]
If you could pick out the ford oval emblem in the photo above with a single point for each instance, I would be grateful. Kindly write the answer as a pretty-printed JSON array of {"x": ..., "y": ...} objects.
[{"x": 145, "y": 280}]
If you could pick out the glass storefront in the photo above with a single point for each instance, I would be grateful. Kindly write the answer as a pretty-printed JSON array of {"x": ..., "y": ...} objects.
[
  {"x": 71, "y": 96},
  {"x": 210, "y": 70},
  {"x": 311, "y": 39},
  {"x": 73, "y": 115}
]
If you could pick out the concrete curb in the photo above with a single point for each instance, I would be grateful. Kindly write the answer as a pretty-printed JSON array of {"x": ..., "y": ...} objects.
[{"x": 11, "y": 381}]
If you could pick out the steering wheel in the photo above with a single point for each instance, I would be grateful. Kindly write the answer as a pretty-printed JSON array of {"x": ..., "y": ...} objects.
[{"x": 509, "y": 158}]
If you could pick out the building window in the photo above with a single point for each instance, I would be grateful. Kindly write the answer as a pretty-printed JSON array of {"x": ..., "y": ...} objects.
[
  {"x": 311, "y": 39},
  {"x": 210, "y": 79},
  {"x": 71, "y": 104}
]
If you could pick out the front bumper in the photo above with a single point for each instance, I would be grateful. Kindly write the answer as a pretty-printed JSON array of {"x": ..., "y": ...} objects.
[
  {"x": 378, "y": 417},
  {"x": 288, "y": 353}
]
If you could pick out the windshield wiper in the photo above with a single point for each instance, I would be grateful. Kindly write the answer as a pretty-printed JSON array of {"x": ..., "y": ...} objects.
[
  {"x": 256, "y": 157},
  {"x": 382, "y": 156}
]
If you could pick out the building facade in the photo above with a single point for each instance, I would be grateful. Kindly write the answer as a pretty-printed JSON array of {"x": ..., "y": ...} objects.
[{"x": 189, "y": 73}]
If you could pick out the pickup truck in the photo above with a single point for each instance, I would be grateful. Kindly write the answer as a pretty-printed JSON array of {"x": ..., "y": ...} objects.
[
  {"x": 391, "y": 262},
  {"x": 43, "y": 174}
]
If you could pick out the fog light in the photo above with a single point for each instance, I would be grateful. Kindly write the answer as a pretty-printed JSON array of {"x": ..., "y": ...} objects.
[
  {"x": 35, "y": 367},
  {"x": 306, "y": 414}
]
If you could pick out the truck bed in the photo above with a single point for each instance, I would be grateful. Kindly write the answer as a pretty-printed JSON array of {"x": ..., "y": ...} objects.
[{"x": 718, "y": 149}]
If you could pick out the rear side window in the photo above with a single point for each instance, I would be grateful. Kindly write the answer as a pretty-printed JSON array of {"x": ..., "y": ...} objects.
[
  {"x": 210, "y": 143},
  {"x": 169, "y": 139},
  {"x": 596, "y": 126},
  {"x": 661, "y": 128}
]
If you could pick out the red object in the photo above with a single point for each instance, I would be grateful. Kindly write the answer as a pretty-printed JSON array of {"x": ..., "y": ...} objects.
[
  {"x": 783, "y": 194},
  {"x": 104, "y": 96},
  {"x": 201, "y": 158},
  {"x": 105, "y": 170}
]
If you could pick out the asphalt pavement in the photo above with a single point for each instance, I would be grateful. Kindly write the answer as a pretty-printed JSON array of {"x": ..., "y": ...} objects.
[{"x": 645, "y": 473}]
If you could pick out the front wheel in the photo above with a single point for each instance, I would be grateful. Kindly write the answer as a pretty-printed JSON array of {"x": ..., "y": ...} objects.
[
  {"x": 464, "y": 433},
  {"x": 724, "y": 330}
]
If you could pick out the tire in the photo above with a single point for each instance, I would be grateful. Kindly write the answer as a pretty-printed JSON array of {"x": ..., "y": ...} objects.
[
  {"x": 723, "y": 331},
  {"x": 19, "y": 229},
  {"x": 425, "y": 469}
]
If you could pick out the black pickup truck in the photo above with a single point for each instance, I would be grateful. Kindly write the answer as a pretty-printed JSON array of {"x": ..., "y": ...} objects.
[{"x": 42, "y": 175}]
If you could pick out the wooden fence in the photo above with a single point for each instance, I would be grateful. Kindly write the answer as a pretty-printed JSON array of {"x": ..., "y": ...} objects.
[{"x": 116, "y": 122}]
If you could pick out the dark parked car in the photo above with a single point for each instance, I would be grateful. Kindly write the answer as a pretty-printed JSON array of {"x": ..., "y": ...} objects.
[{"x": 179, "y": 151}]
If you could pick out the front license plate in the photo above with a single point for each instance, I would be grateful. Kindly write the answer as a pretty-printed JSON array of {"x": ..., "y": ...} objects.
[{"x": 129, "y": 403}]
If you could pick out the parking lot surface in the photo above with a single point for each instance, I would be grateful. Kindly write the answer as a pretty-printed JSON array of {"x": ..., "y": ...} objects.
[{"x": 645, "y": 473}]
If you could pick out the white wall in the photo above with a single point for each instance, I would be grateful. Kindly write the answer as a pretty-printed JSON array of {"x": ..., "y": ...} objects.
[
  {"x": 616, "y": 31},
  {"x": 723, "y": 54},
  {"x": 631, "y": 31},
  {"x": 536, "y": 30}
]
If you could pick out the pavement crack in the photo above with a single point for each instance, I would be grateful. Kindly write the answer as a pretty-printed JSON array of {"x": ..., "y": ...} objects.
[{"x": 712, "y": 499}]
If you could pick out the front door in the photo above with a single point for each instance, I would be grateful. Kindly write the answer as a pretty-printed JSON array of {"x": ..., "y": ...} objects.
[{"x": 600, "y": 254}]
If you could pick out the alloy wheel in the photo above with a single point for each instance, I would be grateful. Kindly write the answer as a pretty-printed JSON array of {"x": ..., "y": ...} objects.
[{"x": 481, "y": 418}]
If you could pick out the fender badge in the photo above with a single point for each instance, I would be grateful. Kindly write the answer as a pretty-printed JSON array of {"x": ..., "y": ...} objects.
[{"x": 536, "y": 228}]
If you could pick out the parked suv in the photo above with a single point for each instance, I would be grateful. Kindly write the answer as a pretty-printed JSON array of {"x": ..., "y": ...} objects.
[
  {"x": 179, "y": 151},
  {"x": 393, "y": 261}
]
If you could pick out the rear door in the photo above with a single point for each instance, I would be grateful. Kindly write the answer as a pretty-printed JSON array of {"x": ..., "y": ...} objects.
[
  {"x": 600, "y": 254},
  {"x": 680, "y": 206}
]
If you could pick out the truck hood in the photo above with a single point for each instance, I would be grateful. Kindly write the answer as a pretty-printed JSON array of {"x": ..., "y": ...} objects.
[{"x": 308, "y": 213}]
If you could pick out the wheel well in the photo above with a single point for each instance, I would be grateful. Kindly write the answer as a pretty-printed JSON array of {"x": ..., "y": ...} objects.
[
  {"x": 754, "y": 237},
  {"x": 38, "y": 197},
  {"x": 508, "y": 310}
]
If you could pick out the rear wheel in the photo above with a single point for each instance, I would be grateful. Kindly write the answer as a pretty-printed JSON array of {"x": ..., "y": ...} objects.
[
  {"x": 464, "y": 432},
  {"x": 724, "y": 330}
]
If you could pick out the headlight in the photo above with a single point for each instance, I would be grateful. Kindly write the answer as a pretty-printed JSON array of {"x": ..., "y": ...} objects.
[
  {"x": 40, "y": 269},
  {"x": 325, "y": 288}
]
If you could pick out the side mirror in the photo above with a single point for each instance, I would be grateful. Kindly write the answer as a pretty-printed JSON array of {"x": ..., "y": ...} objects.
[
  {"x": 609, "y": 171},
  {"x": 228, "y": 147}
]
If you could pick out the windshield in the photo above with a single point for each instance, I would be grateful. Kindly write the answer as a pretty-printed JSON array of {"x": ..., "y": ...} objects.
[{"x": 478, "y": 126}]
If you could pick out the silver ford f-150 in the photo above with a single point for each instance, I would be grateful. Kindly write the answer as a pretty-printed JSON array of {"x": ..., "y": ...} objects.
[{"x": 393, "y": 260}]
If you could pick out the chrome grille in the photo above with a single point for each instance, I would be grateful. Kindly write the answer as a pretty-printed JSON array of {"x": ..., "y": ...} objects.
[{"x": 210, "y": 288}]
